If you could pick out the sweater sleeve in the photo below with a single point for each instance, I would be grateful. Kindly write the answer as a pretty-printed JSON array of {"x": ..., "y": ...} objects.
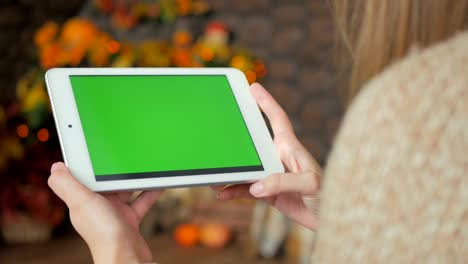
[{"x": 396, "y": 184}]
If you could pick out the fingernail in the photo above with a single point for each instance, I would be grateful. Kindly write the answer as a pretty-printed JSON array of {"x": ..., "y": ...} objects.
[
  {"x": 55, "y": 167},
  {"x": 257, "y": 188}
]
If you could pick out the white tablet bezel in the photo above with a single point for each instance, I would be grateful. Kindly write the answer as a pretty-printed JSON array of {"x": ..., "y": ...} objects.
[{"x": 75, "y": 150}]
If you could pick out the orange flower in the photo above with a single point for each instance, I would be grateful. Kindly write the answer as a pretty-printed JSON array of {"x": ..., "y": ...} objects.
[
  {"x": 206, "y": 53},
  {"x": 46, "y": 34},
  {"x": 240, "y": 62},
  {"x": 184, "y": 7},
  {"x": 200, "y": 7},
  {"x": 153, "y": 54},
  {"x": 105, "y": 6},
  {"x": 123, "y": 20},
  {"x": 125, "y": 59},
  {"x": 182, "y": 38},
  {"x": 99, "y": 53},
  {"x": 98, "y": 57},
  {"x": 79, "y": 34},
  {"x": 251, "y": 76},
  {"x": 182, "y": 58},
  {"x": 260, "y": 69},
  {"x": 112, "y": 46},
  {"x": 74, "y": 55},
  {"x": 51, "y": 55},
  {"x": 126, "y": 56}
]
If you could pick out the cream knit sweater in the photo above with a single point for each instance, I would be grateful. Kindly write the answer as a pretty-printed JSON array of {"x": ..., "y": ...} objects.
[{"x": 396, "y": 185}]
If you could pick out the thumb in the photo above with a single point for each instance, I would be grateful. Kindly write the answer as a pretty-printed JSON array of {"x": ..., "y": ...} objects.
[
  {"x": 304, "y": 183},
  {"x": 67, "y": 187}
]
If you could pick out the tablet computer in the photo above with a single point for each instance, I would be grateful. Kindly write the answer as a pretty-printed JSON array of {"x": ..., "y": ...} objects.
[{"x": 152, "y": 128}]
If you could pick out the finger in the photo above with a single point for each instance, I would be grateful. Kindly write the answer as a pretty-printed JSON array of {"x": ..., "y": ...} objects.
[
  {"x": 269, "y": 199},
  {"x": 118, "y": 198},
  {"x": 124, "y": 196},
  {"x": 67, "y": 187},
  {"x": 297, "y": 158},
  {"x": 313, "y": 204},
  {"x": 278, "y": 118},
  {"x": 144, "y": 202},
  {"x": 304, "y": 183},
  {"x": 235, "y": 192},
  {"x": 308, "y": 219}
]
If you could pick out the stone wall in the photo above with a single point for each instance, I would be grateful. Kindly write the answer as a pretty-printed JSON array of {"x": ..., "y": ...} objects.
[{"x": 295, "y": 37}]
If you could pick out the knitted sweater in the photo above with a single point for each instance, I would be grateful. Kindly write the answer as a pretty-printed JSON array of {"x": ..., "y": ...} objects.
[{"x": 396, "y": 185}]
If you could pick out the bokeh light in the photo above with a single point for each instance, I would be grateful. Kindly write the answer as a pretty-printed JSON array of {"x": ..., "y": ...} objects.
[
  {"x": 43, "y": 135},
  {"x": 22, "y": 131}
]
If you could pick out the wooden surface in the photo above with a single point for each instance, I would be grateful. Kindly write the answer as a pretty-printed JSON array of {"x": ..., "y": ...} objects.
[{"x": 72, "y": 250}]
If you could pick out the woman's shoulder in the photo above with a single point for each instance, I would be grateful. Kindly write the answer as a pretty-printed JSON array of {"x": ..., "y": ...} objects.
[
  {"x": 421, "y": 76},
  {"x": 395, "y": 183},
  {"x": 429, "y": 87}
]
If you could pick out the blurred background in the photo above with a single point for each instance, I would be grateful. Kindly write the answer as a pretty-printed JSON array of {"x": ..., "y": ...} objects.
[{"x": 285, "y": 45}]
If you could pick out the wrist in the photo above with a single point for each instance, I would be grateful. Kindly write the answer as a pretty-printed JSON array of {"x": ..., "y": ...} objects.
[{"x": 115, "y": 253}]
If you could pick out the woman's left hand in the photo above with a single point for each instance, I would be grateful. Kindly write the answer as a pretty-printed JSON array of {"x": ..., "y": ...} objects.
[
  {"x": 294, "y": 193},
  {"x": 107, "y": 222}
]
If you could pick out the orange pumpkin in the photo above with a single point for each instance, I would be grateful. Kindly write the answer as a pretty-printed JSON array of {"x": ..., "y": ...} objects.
[
  {"x": 215, "y": 235},
  {"x": 187, "y": 235}
]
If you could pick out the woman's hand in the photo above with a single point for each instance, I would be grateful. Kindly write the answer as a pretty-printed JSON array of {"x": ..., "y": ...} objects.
[
  {"x": 107, "y": 222},
  {"x": 294, "y": 192}
]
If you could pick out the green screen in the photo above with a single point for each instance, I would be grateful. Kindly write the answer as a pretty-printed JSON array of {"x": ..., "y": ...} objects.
[{"x": 154, "y": 126}]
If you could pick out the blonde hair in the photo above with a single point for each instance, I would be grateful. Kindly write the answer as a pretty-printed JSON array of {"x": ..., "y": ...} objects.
[{"x": 375, "y": 33}]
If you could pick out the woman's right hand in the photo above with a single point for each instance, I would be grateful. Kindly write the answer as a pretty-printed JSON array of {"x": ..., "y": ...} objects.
[{"x": 294, "y": 193}]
